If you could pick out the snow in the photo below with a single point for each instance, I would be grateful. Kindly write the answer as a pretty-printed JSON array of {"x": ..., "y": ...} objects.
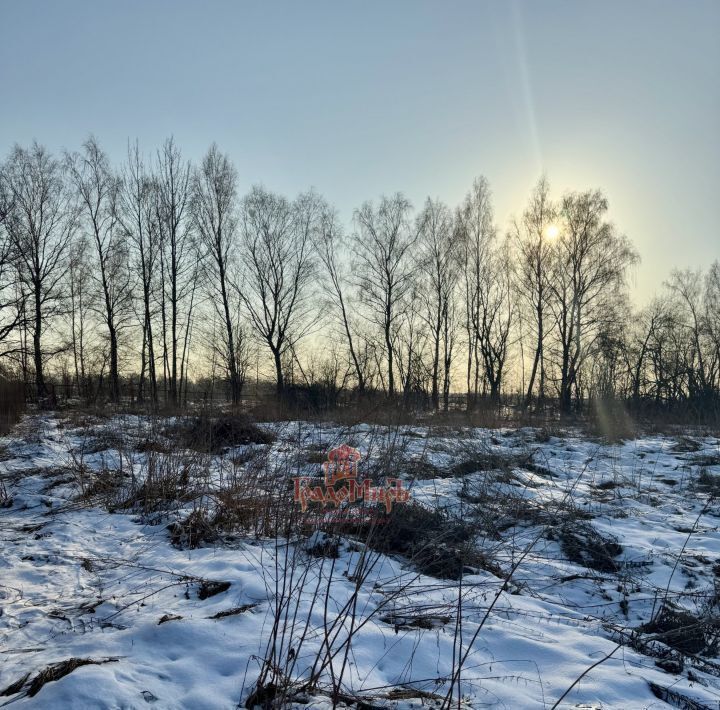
[{"x": 77, "y": 581}]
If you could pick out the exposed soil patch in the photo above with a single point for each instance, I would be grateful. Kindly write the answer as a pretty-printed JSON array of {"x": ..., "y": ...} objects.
[
  {"x": 209, "y": 588},
  {"x": 539, "y": 470},
  {"x": 147, "y": 445},
  {"x": 424, "y": 470}
]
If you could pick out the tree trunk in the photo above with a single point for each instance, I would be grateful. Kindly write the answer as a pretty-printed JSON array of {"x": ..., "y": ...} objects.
[
  {"x": 143, "y": 366},
  {"x": 174, "y": 344},
  {"x": 436, "y": 366},
  {"x": 388, "y": 345},
  {"x": 37, "y": 348},
  {"x": 565, "y": 385},
  {"x": 235, "y": 386},
  {"x": 353, "y": 354},
  {"x": 279, "y": 382},
  {"x": 151, "y": 353},
  {"x": 114, "y": 375},
  {"x": 536, "y": 363}
]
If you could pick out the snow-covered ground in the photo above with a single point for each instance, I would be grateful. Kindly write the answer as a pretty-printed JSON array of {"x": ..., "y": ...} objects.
[{"x": 584, "y": 543}]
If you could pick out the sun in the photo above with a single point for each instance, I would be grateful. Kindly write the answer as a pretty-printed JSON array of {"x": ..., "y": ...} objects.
[{"x": 552, "y": 231}]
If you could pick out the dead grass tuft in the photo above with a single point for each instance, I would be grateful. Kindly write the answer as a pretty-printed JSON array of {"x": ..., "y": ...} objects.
[
  {"x": 684, "y": 631},
  {"x": 233, "y": 612},
  {"x": 51, "y": 673},
  {"x": 709, "y": 482},
  {"x": 215, "y": 435},
  {"x": 585, "y": 546},
  {"x": 435, "y": 543}
]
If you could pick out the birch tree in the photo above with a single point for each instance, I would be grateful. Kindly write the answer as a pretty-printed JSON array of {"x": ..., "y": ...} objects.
[
  {"x": 591, "y": 262},
  {"x": 40, "y": 226},
  {"x": 534, "y": 236},
  {"x": 385, "y": 268},
  {"x": 214, "y": 194},
  {"x": 99, "y": 191},
  {"x": 439, "y": 259},
  {"x": 139, "y": 215},
  {"x": 178, "y": 261},
  {"x": 278, "y": 262}
]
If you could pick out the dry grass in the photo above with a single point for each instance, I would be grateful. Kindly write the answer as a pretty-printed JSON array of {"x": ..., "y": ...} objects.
[
  {"x": 215, "y": 435},
  {"x": 685, "y": 632},
  {"x": 51, "y": 673}
]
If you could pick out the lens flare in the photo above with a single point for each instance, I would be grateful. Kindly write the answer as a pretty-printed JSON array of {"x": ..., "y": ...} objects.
[{"x": 552, "y": 231}]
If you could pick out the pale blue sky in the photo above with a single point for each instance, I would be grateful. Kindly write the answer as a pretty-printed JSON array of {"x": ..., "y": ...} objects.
[{"x": 361, "y": 98}]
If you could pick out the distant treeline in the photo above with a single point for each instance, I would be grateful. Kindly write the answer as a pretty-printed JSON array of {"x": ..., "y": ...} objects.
[{"x": 142, "y": 278}]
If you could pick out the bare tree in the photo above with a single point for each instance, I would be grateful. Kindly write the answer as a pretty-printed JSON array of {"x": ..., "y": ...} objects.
[
  {"x": 675, "y": 351},
  {"x": 12, "y": 296},
  {"x": 439, "y": 259},
  {"x": 99, "y": 192},
  {"x": 278, "y": 269},
  {"x": 644, "y": 332},
  {"x": 385, "y": 269},
  {"x": 694, "y": 296},
  {"x": 476, "y": 234},
  {"x": 590, "y": 267},
  {"x": 79, "y": 278},
  {"x": 40, "y": 226},
  {"x": 214, "y": 192},
  {"x": 178, "y": 258},
  {"x": 334, "y": 279},
  {"x": 712, "y": 325},
  {"x": 398, "y": 293},
  {"x": 138, "y": 214},
  {"x": 533, "y": 236},
  {"x": 496, "y": 317},
  {"x": 410, "y": 343}
]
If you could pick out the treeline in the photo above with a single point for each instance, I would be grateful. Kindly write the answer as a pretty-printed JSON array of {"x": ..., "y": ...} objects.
[{"x": 158, "y": 272}]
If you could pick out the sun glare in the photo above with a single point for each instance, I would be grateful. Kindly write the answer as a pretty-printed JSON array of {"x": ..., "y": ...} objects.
[{"x": 551, "y": 231}]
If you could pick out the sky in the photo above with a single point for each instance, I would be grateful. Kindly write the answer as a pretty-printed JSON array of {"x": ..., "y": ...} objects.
[{"x": 358, "y": 99}]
